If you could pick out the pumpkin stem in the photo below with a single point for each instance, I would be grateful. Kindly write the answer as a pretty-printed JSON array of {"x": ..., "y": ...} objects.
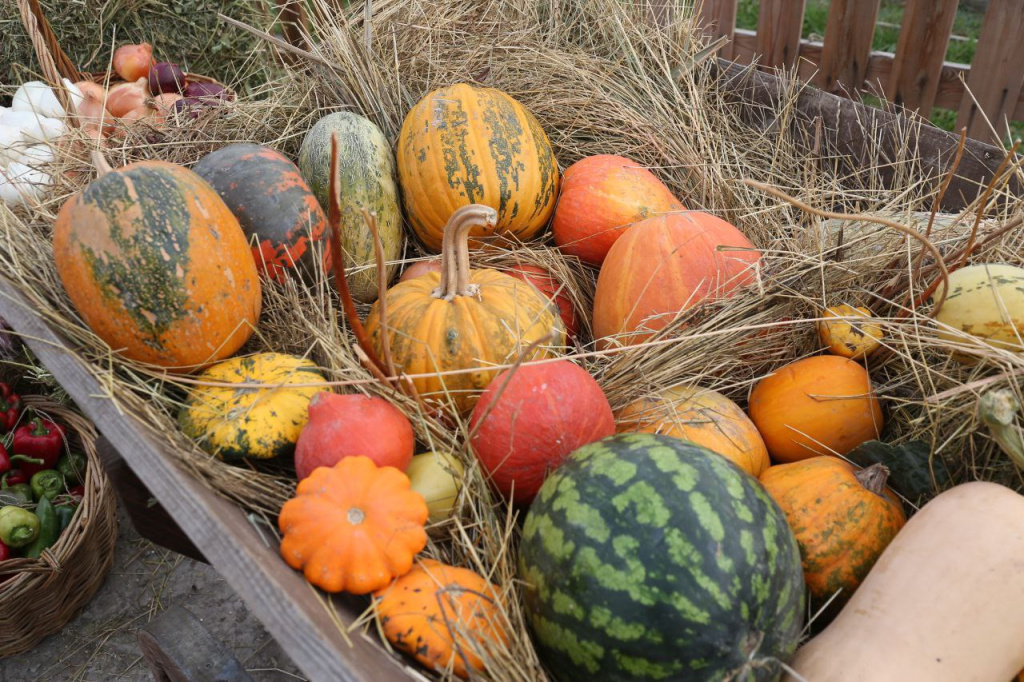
[
  {"x": 874, "y": 477},
  {"x": 455, "y": 269},
  {"x": 98, "y": 160},
  {"x": 998, "y": 409}
]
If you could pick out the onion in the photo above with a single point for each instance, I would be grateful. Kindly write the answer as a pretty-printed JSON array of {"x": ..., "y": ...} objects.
[
  {"x": 126, "y": 97},
  {"x": 132, "y": 62},
  {"x": 164, "y": 104},
  {"x": 166, "y": 77},
  {"x": 91, "y": 112},
  {"x": 36, "y": 96},
  {"x": 189, "y": 106},
  {"x": 209, "y": 92},
  {"x": 75, "y": 91}
]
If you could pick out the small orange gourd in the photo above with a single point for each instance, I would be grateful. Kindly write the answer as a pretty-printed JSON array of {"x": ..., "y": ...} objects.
[
  {"x": 443, "y": 616},
  {"x": 843, "y": 334},
  {"x": 843, "y": 519},
  {"x": 816, "y": 406},
  {"x": 702, "y": 416},
  {"x": 440, "y": 325},
  {"x": 354, "y": 527}
]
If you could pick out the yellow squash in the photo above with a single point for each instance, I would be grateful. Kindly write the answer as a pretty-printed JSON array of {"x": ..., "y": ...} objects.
[
  {"x": 465, "y": 145},
  {"x": 844, "y": 334},
  {"x": 437, "y": 476},
  {"x": 441, "y": 324},
  {"x": 250, "y": 421}
]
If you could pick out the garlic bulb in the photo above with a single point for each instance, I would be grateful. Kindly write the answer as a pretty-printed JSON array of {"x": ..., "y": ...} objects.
[
  {"x": 27, "y": 183},
  {"x": 33, "y": 126},
  {"x": 9, "y": 193},
  {"x": 37, "y": 155},
  {"x": 11, "y": 142},
  {"x": 37, "y": 96}
]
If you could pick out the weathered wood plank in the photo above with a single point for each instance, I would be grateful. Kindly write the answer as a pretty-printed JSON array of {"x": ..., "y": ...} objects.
[
  {"x": 850, "y": 28},
  {"x": 848, "y": 125},
  {"x": 920, "y": 53},
  {"x": 997, "y": 72},
  {"x": 718, "y": 17},
  {"x": 279, "y": 596},
  {"x": 951, "y": 88},
  {"x": 779, "y": 26}
]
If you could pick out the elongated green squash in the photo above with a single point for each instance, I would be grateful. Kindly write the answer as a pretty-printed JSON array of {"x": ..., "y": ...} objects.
[{"x": 367, "y": 180}]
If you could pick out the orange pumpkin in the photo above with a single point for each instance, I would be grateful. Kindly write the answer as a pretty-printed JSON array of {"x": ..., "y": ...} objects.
[
  {"x": 443, "y": 616},
  {"x": 844, "y": 334},
  {"x": 462, "y": 319},
  {"x": 157, "y": 266},
  {"x": 601, "y": 196},
  {"x": 843, "y": 519},
  {"x": 701, "y": 416},
  {"x": 354, "y": 527},
  {"x": 819, "y": 405},
  {"x": 663, "y": 266},
  {"x": 464, "y": 145}
]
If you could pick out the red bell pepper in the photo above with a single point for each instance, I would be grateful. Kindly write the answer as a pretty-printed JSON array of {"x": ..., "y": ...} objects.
[
  {"x": 77, "y": 493},
  {"x": 5, "y": 552},
  {"x": 10, "y": 408},
  {"x": 5, "y": 460},
  {"x": 13, "y": 477},
  {"x": 38, "y": 445}
]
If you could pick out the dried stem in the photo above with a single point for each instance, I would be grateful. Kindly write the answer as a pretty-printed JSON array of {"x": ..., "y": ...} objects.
[
  {"x": 984, "y": 201},
  {"x": 382, "y": 289}
]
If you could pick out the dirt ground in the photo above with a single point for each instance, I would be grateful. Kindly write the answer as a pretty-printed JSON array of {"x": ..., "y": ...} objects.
[{"x": 101, "y": 642}]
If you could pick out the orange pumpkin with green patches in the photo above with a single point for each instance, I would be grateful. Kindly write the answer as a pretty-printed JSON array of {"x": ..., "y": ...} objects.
[
  {"x": 843, "y": 519},
  {"x": 465, "y": 145},
  {"x": 283, "y": 221},
  {"x": 157, "y": 266}
]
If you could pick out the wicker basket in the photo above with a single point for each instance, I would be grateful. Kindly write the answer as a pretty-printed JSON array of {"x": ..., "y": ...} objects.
[
  {"x": 47, "y": 592},
  {"x": 56, "y": 64}
]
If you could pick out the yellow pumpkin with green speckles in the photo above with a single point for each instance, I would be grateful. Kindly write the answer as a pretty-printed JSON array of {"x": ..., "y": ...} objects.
[
  {"x": 249, "y": 421},
  {"x": 465, "y": 145},
  {"x": 441, "y": 324}
]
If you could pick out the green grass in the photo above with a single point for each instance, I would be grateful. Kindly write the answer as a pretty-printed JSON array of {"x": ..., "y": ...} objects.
[{"x": 966, "y": 25}]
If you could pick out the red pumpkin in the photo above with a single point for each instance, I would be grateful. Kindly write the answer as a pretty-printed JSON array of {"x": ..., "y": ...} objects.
[
  {"x": 552, "y": 289},
  {"x": 274, "y": 205},
  {"x": 420, "y": 268},
  {"x": 543, "y": 413},
  {"x": 663, "y": 266},
  {"x": 602, "y": 196},
  {"x": 348, "y": 425}
]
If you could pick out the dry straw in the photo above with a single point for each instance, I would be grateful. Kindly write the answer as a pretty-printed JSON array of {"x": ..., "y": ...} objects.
[{"x": 602, "y": 77}]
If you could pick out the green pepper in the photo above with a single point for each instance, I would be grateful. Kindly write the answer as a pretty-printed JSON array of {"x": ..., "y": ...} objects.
[
  {"x": 72, "y": 467},
  {"x": 16, "y": 495},
  {"x": 47, "y": 484},
  {"x": 49, "y": 529},
  {"x": 18, "y": 526},
  {"x": 65, "y": 513}
]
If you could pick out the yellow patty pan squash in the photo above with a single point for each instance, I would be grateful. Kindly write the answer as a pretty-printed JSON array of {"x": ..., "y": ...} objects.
[{"x": 249, "y": 421}]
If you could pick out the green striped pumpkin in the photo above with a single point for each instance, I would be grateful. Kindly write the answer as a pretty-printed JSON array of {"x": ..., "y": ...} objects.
[
  {"x": 366, "y": 175},
  {"x": 646, "y": 557}
]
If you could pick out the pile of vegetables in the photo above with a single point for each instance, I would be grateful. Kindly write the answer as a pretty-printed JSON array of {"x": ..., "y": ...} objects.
[
  {"x": 40, "y": 481},
  {"x": 150, "y": 91},
  {"x": 678, "y": 538}
]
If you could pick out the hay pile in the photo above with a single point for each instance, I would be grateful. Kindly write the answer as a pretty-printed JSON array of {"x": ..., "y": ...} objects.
[{"x": 602, "y": 77}]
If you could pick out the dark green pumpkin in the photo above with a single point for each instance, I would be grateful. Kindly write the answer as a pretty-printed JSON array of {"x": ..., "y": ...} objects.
[
  {"x": 646, "y": 557},
  {"x": 274, "y": 206}
]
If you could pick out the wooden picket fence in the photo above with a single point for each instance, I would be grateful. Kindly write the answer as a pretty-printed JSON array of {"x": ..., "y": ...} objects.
[{"x": 916, "y": 77}]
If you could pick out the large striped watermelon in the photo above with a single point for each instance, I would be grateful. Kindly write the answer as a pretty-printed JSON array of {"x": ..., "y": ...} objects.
[{"x": 649, "y": 558}]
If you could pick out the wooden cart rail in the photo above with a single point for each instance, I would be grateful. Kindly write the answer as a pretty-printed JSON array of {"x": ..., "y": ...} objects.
[{"x": 916, "y": 76}]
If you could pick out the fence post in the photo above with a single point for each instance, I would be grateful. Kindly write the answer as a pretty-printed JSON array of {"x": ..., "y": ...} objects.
[
  {"x": 779, "y": 26},
  {"x": 997, "y": 72},
  {"x": 847, "y": 52},
  {"x": 920, "y": 53},
  {"x": 718, "y": 17}
]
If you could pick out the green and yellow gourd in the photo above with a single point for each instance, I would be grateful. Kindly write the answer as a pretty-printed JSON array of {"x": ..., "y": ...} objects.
[
  {"x": 366, "y": 179},
  {"x": 250, "y": 421}
]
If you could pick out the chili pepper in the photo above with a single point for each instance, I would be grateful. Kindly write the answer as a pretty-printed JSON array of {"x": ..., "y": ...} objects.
[
  {"x": 13, "y": 477},
  {"x": 47, "y": 484},
  {"x": 49, "y": 529},
  {"x": 16, "y": 495},
  {"x": 10, "y": 408},
  {"x": 40, "y": 439},
  {"x": 72, "y": 467},
  {"x": 65, "y": 513},
  {"x": 18, "y": 527}
]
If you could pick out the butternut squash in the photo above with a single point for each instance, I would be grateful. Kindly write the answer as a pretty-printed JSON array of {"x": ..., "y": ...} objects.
[{"x": 944, "y": 603}]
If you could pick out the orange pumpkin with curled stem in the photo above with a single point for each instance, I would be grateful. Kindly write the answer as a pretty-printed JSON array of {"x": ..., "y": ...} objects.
[
  {"x": 843, "y": 519},
  {"x": 443, "y": 616},
  {"x": 354, "y": 527},
  {"x": 448, "y": 329}
]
